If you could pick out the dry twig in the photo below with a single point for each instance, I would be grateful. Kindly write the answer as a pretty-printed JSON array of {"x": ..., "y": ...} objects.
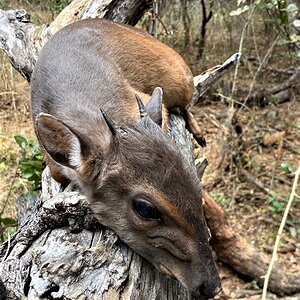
[
  {"x": 241, "y": 45},
  {"x": 278, "y": 237}
]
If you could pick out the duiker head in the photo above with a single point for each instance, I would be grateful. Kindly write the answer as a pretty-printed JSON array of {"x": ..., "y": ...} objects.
[{"x": 140, "y": 185}]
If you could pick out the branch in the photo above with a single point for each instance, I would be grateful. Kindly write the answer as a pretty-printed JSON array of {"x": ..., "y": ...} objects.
[
  {"x": 277, "y": 94},
  {"x": 282, "y": 224},
  {"x": 293, "y": 81},
  {"x": 127, "y": 11},
  {"x": 258, "y": 183},
  {"x": 205, "y": 80}
]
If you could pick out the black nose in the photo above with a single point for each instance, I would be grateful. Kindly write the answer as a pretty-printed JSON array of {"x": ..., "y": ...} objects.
[{"x": 206, "y": 291}]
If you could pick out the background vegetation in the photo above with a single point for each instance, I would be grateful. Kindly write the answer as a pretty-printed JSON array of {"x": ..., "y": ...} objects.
[{"x": 251, "y": 158}]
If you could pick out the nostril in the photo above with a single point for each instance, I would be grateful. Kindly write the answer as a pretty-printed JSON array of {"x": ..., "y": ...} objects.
[
  {"x": 201, "y": 290},
  {"x": 216, "y": 291},
  {"x": 198, "y": 293},
  {"x": 205, "y": 291}
]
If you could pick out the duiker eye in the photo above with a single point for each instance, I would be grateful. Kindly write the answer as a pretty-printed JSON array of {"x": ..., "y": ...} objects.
[{"x": 146, "y": 210}]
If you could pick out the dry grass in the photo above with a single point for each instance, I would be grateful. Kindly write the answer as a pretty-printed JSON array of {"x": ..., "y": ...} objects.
[{"x": 15, "y": 120}]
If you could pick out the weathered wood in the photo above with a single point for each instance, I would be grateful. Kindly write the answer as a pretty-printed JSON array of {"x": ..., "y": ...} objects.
[
  {"x": 205, "y": 80},
  {"x": 278, "y": 93},
  {"x": 128, "y": 12}
]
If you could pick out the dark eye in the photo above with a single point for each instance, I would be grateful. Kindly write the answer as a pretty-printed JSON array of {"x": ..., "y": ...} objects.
[{"x": 146, "y": 210}]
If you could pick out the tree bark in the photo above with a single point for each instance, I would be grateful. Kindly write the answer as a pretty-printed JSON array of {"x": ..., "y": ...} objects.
[{"x": 60, "y": 251}]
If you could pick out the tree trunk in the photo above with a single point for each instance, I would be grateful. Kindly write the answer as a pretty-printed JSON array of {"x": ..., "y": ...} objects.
[{"x": 60, "y": 251}]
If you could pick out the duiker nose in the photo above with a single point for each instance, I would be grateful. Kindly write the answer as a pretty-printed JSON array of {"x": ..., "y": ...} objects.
[{"x": 206, "y": 290}]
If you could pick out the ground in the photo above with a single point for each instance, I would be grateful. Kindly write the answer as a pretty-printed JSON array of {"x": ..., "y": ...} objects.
[
  {"x": 249, "y": 209},
  {"x": 268, "y": 149}
]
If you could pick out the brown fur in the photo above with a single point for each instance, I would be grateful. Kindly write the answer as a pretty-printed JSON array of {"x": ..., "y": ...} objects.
[{"x": 128, "y": 160}]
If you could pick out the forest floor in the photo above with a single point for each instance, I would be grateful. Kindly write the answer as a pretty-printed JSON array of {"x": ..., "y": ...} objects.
[
  {"x": 270, "y": 143},
  {"x": 254, "y": 201}
]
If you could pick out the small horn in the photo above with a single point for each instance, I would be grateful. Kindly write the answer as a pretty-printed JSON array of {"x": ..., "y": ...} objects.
[
  {"x": 142, "y": 109},
  {"x": 110, "y": 123}
]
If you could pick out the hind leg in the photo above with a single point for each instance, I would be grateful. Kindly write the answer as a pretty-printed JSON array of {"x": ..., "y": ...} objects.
[{"x": 193, "y": 127}]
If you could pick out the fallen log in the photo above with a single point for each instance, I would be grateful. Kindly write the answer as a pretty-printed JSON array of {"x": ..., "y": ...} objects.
[{"x": 22, "y": 40}]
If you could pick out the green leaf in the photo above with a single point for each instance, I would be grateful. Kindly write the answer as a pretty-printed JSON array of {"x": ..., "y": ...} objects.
[
  {"x": 276, "y": 206},
  {"x": 282, "y": 42},
  {"x": 295, "y": 38},
  {"x": 8, "y": 221},
  {"x": 31, "y": 163},
  {"x": 286, "y": 168},
  {"x": 27, "y": 175},
  {"x": 21, "y": 141},
  {"x": 3, "y": 166},
  {"x": 292, "y": 8},
  {"x": 296, "y": 23}
]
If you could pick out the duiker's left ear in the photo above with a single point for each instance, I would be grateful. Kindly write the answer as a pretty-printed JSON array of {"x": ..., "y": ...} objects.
[
  {"x": 65, "y": 145},
  {"x": 154, "y": 106},
  {"x": 58, "y": 141}
]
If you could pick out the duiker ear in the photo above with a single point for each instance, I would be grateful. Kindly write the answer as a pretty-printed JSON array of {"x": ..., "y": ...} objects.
[
  {"x": 57, "y": 139},
  {"x": 154, "y": 106}
]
